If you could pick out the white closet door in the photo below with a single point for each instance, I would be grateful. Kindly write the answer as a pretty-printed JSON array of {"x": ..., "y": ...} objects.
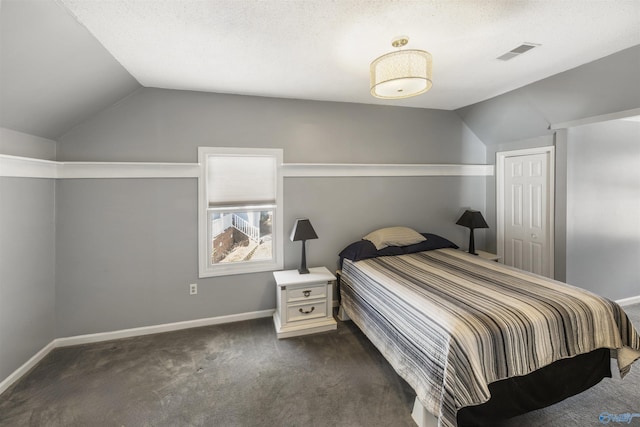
[{"x": 527, "y": 213}]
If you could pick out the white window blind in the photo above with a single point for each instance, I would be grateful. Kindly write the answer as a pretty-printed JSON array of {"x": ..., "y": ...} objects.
[{"x": 241, "y": 180}]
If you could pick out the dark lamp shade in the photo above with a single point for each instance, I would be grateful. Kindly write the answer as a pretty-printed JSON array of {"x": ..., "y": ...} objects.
[
  {"x": 303, "y": 230},
  {"x": 472, "y": 219}
]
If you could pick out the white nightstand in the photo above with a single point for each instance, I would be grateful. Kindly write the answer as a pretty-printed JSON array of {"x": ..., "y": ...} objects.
[
  {"x": 488, "y": 255},
  {"x": 304, "y": 302}
]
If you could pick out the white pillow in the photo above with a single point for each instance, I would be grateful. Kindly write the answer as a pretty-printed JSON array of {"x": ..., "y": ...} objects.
[{"x": 394, "y": 236}]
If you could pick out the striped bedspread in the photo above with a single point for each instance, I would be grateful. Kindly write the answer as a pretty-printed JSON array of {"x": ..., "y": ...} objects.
[{"x": 451, "y": 323}]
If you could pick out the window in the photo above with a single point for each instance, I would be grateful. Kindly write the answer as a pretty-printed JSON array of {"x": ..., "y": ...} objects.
[{"x": 240, "y": 210}]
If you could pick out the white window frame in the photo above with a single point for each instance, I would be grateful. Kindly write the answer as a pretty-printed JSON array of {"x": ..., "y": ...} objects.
[{"x": 205, "y": 268}]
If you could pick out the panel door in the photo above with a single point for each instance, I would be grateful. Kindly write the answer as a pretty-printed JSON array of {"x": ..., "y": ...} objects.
[{"x": 526, "y": 217}]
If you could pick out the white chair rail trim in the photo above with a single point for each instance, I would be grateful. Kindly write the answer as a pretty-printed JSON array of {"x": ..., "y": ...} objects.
[
  {"x": 364, "y": 169},
  {"x": 26, "y": 167}
]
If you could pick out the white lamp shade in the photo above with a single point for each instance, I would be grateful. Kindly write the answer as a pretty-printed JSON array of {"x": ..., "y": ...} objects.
[{"x": 401, "y": 74}]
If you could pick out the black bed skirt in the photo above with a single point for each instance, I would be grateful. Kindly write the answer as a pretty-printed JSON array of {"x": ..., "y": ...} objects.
[{"x": 541, "y": 388}]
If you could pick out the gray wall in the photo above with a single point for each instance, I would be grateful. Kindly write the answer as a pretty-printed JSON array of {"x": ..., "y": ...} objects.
[
  {"x": 608, "y": 85},
  {"x": 168, "y": 125},
  {"x": 603, "y": 207},
  {"x": 521, "y": 118},
  {"x": 597, "y": 202},
  {"x": 561, "y": 218},
  {"x": 22, "y": 144},
  {"x": 127, "y": 249},
  {"x": 345, "y": 209},
  {"x": 27, "y": 257}
]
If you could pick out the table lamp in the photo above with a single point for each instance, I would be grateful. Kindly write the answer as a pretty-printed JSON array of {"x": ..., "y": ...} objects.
[
  {"x": 303, "y": 230},
  {"x": 472, "y": 219}
]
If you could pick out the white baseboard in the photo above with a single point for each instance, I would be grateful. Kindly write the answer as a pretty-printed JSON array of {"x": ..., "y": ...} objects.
[
  {"x": 26, "y": 367},
  {"x": 125, "y": 333},
  {"x": 628, "y": 301},
  {"x": 156, "y": 329}
]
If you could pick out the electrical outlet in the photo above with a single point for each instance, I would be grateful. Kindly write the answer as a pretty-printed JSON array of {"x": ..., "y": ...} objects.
[{"x": 193, "y": 289}]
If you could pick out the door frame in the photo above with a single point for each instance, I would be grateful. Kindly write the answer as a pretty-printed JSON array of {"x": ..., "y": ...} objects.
[{"x": 550, "y": 153}]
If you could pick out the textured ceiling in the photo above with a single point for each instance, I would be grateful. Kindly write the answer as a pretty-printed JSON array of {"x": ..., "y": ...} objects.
[
  {"x": 63, "y": 61},
  {"x": 320, "y": 49}
]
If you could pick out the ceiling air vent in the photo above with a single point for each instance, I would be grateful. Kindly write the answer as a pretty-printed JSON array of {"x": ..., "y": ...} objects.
[{"x": 524, "y": 47}]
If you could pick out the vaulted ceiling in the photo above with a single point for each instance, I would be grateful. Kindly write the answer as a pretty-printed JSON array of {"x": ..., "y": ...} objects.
[
  {"x": 62, "y": 61},
  {"x": 53, "y": 73}
]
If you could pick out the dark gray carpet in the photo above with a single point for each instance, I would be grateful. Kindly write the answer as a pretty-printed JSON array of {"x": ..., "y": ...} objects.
[{"x": 240, "y": 375}]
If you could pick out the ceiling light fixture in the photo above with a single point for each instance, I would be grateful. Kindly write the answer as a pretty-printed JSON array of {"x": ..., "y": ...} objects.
[{"x": 401, "y": 74}]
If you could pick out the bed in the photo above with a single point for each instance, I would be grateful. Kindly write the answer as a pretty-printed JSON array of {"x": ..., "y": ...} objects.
[{"x": 479, "y": 341}]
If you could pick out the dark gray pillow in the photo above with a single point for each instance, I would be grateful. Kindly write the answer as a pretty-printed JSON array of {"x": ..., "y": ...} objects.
[{"x": 364, "y": 249}]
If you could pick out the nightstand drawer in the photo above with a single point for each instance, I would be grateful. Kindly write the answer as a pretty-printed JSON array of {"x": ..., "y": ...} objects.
[
  {"x": 318, "y": 290},
  {"x": 311, "y": 310}
]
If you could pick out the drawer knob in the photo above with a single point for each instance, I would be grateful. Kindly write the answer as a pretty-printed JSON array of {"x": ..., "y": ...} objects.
[
  {"x": 306, "y": 312},
  {"x": 306, "y": 293}
]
